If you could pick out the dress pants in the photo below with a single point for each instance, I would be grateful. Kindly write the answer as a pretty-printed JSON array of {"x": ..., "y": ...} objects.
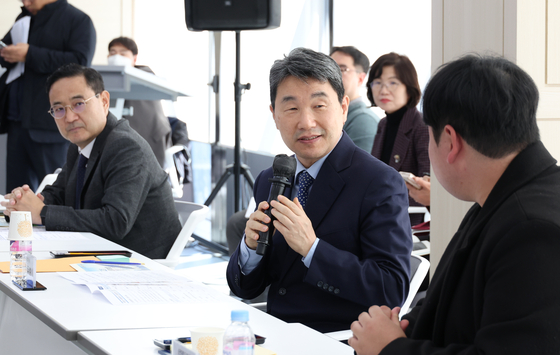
[{"x": 29, "y": 161}]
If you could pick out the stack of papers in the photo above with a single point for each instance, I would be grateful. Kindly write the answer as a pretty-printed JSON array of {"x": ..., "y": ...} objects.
[{"x": 147, "y": 287}]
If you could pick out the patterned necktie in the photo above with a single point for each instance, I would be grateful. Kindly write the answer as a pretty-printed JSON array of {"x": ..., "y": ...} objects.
[
  {"x": 304, "y": 180},
  {"x": 80, "y": 174}
]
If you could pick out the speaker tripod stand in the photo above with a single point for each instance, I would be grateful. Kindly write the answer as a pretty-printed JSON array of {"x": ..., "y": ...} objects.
[{"x": 237, "y": 168}]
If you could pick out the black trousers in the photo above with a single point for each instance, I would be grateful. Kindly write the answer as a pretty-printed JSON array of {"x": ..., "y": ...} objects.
[{"x": 29, "y": 161}]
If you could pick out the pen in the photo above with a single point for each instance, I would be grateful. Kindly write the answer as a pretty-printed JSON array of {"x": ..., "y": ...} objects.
[{"x": 108, "y": 262}]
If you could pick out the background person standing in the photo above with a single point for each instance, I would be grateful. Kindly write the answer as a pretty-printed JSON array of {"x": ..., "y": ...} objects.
[{"x": 47, "y": 34}]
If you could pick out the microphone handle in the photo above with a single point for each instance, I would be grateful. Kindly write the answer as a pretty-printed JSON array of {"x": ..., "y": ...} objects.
[{"x": 265, "y": 238}]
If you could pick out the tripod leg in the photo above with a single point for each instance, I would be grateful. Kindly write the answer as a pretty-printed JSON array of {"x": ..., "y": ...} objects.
[
  {"x": 247, "y": 174},
  {"x": 218, "y": 186}
]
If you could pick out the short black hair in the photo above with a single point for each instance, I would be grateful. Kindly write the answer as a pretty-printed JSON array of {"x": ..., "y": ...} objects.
[
  {"x": 489, "y": 101},
  {"x": 405, "y": 71},
  {"x": 360, "y": 59},
  {"x": 304, "y": 63},
  {"x": 93, "y": 78},
  {"x": 125, "y": 42}
]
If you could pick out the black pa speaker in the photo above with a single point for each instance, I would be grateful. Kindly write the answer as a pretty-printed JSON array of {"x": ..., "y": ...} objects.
[{"x": 232, "y": 15}]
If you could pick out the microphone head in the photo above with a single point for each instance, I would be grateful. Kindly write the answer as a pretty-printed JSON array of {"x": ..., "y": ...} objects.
[{"x": 284, "y": 166}]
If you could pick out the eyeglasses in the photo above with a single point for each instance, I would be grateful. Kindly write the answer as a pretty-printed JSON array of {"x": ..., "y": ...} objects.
[
  {"x": 377, "y": 84},
  {"x": 78, "y": 106},
  {"x": 345, "y": 69}
]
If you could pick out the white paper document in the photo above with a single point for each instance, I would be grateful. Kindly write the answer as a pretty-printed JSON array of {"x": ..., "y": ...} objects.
[
  {"x": 158, "y": 293},
  {"x": 143, "y": 287},
  {"x": 123, "y": 277}
]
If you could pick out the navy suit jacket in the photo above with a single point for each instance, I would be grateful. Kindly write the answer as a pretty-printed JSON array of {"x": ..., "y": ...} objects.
[{"x": 359, "y": 209}]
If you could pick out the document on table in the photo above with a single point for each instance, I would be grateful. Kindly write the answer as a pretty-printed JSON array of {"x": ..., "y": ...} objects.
[
  {"x": 143, "y": 287},
  {"x": 157, "y": 293},
  {"x": 124, "y": 277},
  {"x": 39, "y": 233}
]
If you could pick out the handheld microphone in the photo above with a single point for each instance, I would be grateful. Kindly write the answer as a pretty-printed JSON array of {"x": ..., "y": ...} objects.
[{"x": 284, "y": 168}]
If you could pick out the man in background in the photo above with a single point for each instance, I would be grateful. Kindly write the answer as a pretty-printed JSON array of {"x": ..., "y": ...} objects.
[
  {"x": 111, "y": 184},
  {"x": 46, "y": 35},
  {"x": 361, "y": 125},
  {"x": 148, "y": 118},
  {"x": 342, "y": 236},
  {"x": 496, "y": 289}
]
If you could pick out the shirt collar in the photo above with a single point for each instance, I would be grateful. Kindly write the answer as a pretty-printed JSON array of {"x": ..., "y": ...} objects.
[{"x": 86, "y": 152}]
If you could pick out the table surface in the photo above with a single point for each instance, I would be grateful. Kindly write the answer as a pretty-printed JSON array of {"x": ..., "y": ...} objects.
[
  {"x": 288, "y": 338},
  {"x": 96, "y": 325}
]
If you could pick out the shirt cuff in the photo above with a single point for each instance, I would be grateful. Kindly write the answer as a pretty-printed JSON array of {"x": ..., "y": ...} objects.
[
  {"x": 307, "y": 260},
  {"x": 248, "y": 258}
]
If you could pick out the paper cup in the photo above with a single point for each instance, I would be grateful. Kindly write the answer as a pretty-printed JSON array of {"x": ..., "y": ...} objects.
[
  {"x": 21, "y": 226},
  {"x": 207, "y": 340}
]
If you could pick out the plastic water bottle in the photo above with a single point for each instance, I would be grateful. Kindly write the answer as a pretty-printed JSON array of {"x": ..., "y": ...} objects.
[
  {"x": 19, "y": 249},
  {"x": 238, "y": 337}
]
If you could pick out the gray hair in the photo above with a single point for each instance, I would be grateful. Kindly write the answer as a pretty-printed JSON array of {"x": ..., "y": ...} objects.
[{"x": 303, "y": 64}]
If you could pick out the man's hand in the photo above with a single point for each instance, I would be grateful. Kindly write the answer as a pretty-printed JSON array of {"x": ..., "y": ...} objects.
[
  {"x": 23, "y": 199},
  {"x": 15, "y": 52},
  {"x": 294, "y": 224},
  {"x": 375, "y": 329},
  {"x": 421, "y": 195},
  {"x": 255, "y": 225}
]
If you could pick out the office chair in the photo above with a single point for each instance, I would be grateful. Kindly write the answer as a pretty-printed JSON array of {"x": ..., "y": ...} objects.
[
  {"x": 419, "y": 268},
  {"x": 49, "y": 179},
  {"x": 190, "y": 215},
  {"x": 176, "y": 157}
]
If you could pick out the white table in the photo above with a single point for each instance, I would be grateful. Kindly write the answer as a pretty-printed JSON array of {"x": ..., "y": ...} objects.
[
  {"x": 68, "y": 319},
  {"x": 291, "y": 339}
]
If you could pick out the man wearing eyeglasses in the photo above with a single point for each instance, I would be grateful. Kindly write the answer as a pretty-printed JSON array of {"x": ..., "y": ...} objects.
[
  {"x": 361, "y": 125},
  {"x": 111, "y": 184},
  {"x": 46, "y": 35}
]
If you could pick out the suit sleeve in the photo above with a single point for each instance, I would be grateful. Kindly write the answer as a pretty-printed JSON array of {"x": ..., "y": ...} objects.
[
  {"x": 7, "y": 40},
  {"x": 521, "y": 303},
  {"x": 253, "y": 284},
  {"x": 125, "y": 186},
  {"x": 54, "y": 194},
  {"x": 80, "y": 46},
  {"x": 378, "y": 272}
]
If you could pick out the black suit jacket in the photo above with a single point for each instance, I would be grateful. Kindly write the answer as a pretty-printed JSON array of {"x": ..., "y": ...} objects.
[
  {"x": 126, "y": 197},
  {"x": 496, "y": 289},
  {"x": 358, "y": 208},
  {"x": 59, "y": 34}
]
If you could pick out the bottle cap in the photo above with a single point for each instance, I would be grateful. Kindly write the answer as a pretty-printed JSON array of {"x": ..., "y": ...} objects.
[{"x": 239, "y": 316}]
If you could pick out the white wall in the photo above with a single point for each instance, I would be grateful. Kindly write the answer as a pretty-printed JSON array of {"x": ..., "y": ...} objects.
[{"x": 380, "y": 27}]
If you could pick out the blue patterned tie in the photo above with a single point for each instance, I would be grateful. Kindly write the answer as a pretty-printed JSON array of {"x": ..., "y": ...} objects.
[
  {"x": 304, "y": 180},
  {"x": 80, "y": 174}
]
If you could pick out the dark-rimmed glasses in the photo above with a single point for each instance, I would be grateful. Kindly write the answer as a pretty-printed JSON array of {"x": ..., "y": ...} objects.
[{"x": 78, "y": 106}]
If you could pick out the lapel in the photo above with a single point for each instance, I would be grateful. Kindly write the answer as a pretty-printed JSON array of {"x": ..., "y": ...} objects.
[
  {"x": 326, "y": 188},
  {"x": 95, "y": 155},
  {"x": 525, "y": 167},
  {"x": 402, "y": 140}
]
